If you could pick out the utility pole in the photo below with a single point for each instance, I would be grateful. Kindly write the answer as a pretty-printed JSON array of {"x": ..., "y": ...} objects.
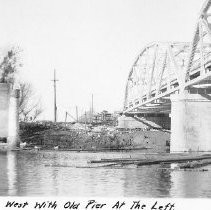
[
  {"x": 76, "y": 109},
  {"x": 55, "y": 106},
  {"x": 85, "y": 119},
  {"x": 92, "y": 108},
  {"x": 65, "y": 117}
]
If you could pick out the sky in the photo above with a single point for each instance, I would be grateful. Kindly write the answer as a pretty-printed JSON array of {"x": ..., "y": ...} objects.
[{"x": 92, "y": 44}]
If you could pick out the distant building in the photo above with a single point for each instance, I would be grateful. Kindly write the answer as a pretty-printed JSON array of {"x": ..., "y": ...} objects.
[
  {"x": 102, "y": 118},
  {"x": 105, "y": 118}
]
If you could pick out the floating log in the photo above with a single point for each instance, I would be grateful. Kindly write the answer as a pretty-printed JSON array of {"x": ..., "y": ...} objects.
[
  {"x": 173, "y": 160},
  {"x": 120, "y": 160},
  {"x": 153, "y": 161},
  {"x": 58, "y": 165}
]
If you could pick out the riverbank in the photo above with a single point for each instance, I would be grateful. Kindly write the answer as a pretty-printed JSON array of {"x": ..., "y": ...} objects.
[{"x": 49, "y": 135}]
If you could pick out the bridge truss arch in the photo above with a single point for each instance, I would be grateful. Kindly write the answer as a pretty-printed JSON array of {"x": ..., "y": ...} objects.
[{"x": 163, "y": 68}]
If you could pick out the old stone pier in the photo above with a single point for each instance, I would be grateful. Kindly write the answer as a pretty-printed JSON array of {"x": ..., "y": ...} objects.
[{"x": 9, "y": 123}]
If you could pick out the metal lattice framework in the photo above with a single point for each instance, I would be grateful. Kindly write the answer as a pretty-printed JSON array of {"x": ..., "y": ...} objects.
[{"x": 164, "y": 68}]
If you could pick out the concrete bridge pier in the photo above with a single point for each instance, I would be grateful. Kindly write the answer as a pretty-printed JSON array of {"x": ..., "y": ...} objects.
[
  {"x": 9, "y": 119},
  {"x": 190, "y": 122},
  {"x": 13, "y": 139}
]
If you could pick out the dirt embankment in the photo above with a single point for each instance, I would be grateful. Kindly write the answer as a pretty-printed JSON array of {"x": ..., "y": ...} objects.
[{"x": 49, "y": 135}]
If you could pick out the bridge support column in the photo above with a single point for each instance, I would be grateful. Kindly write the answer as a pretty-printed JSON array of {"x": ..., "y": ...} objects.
[
  {"x": 190, "y": 122},
  {"x": 13, "y": 124}
]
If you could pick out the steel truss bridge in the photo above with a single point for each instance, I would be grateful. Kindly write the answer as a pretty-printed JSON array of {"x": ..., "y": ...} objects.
[{"x": 164, "y": 68}]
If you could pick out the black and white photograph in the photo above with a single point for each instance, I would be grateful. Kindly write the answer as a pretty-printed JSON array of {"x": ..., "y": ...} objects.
[{"x": 105, "y": 98}]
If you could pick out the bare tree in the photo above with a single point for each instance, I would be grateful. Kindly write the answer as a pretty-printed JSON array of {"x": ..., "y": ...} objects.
[{"x": 29, "y": 107}]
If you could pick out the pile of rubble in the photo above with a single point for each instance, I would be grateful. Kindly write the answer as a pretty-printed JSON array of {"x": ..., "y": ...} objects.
[{"x": 78, "y": 136}]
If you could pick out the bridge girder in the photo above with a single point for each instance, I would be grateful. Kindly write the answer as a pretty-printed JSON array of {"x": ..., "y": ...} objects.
[{"x": 163, "y": 68}]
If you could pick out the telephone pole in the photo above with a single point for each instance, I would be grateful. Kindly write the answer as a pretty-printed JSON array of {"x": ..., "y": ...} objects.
[
  {"x": 76, "y": 109},
  {"x": 92, "y": 108},
  {"x": 55, "y": 106},
  {"x": 65, "y": 120},
  {"x": 85, "y": 120}
]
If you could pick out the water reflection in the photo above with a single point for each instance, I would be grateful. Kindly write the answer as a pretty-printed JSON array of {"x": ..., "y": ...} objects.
[
  {"x": 148, "y": 181},
  {"x": 54, "y": 173},
  {"x": 165, "y": 181},
  {"x": 3, "y": 174},
  {"x": 190, "y": 184},
  {"x": 12, "y": 172}
]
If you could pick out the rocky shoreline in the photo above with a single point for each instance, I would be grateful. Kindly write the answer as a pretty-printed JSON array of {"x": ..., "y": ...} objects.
[{"x": 49, "y": 135}]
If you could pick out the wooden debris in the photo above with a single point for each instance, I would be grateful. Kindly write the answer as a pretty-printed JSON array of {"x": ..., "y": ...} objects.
[
  {"x": 195, "y": 164},
  {"x": 157, "y": 160}
]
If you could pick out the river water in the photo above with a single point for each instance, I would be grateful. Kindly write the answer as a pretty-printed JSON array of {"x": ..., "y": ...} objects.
[{"x": 63, "y": 173}]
